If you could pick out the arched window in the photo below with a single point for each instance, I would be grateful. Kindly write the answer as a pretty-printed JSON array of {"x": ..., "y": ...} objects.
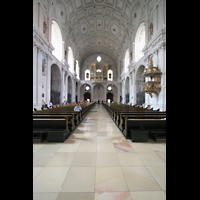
[
  {"x": 87, "y": 75},
  {"x": 110, "y": 75},
  {"x": 127, "y": 60},
  {"x": 139, "y": 42},
  {"x": 70, "y": 59},
  {"x": 56, "y": 40}
]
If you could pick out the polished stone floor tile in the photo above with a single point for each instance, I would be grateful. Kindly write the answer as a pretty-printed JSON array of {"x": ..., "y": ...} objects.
[
  {"x": 129, "y": 159},
  {"x": 37, "y": 147},
  {"x": 61, "y": 159},
  {"x": 41, "y": 159},
  {"x": 50, "y": 179},
  {"x": 159, "y": 173},
  {"x": 70, "y": 147},
  {"x": 110, "y": 179},
  {"x": 104, "y": 139},
  {"x": 141, "y": 147},
  {"x": 75, "y": 196},
  {"x": 84, "y": 159},
  {"x": 123, "y": 147},
  {"x": 119, "y": 139},
  {"x": 79, "y": 179},
  {"x": 36, "y": 171},
  {"x": 52, "y": 147},
  {"x": 107, "y": 159},
  {"x": 140, "y": 179},
  {"x": 151, "y": 158},
  {"x": 45, "y": 196},
  {"x": 162, "y": 154},
  {"x": 87, "y": 147},
  {"x": 105, "y": 147},
  {"x": 113, "y": 196},
  {"x": 157, "y": 146},
  {"x": 148, "y": 195}
]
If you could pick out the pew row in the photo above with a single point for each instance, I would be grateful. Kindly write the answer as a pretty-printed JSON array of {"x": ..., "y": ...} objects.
[
  {"x": 56, "y": 124},
  {"x": 155, "y": 127},
  {"x": 54, "y": 129},
  {"x": 125, "y": 117}
]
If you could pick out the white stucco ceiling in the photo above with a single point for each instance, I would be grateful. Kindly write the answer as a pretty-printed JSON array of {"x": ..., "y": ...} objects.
[{"x": 91, "y": 26}]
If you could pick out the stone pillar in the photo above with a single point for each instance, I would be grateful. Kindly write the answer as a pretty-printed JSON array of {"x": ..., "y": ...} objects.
[
  {"x": 123, "y": 92},
  {"x": 162, "y": 63},
  {"x": 39, "y": 77},
  {"x": 73, "y": 91},
  {"x": 66, "y": 90},
  {"x": 48, "y": 79},
  {"x": 35, "y": 50}
]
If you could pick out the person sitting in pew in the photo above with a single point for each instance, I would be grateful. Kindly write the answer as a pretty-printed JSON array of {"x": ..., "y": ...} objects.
[
  {"x": 43, "y": 103},
  {"x": 77, "y": 107},
  {"x": 50, "y": 103}
]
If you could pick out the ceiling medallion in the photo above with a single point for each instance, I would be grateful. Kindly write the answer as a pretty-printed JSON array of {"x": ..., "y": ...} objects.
[
  {"x": 84, "y": 29},
  {"x": 114, "y": 29}
]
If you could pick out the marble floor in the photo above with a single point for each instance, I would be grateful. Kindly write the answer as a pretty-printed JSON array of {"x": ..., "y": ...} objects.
[{"x": 97, "y": 163}]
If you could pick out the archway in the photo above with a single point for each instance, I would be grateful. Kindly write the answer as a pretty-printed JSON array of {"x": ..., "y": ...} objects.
[
  {"x": 55, "y": 84},
  {"x": 109, "y": 96},
  {"x": 87, "y": 95},
  {"x": 140, "y": 94},
  {"x": 98, "y": 93}
]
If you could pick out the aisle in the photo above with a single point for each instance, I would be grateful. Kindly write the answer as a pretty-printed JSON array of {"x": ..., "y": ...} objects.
[{"x": 97, "y": 163}]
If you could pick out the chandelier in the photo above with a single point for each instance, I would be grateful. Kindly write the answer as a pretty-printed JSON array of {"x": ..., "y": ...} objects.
[{"x": 153, "y": 79}]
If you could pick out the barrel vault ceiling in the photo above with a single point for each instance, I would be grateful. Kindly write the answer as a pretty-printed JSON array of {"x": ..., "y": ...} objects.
[{"x": 97, "y": 26}]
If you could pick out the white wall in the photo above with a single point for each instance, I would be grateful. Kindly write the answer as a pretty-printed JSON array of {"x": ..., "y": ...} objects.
[
  {"x": 155, "y": 47},
  {"x": 42, "y": 49}
]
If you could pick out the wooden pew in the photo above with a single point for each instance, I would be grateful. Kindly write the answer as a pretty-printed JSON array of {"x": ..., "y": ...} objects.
[
  {"x": 64, "y": 110},
  {"x": 44, "y": 121},
  {"x": 153, "y": 126},
  {"x": 119, "y": 114},
  {"x": 123, "y": 115},
  {"x": 114, "y": 110},
  {"x": 142, "y": 115},
  {"x": 56, "y": 129},
  {"x": 71, "y": 124},
  {"x": 67, "y": 110}
]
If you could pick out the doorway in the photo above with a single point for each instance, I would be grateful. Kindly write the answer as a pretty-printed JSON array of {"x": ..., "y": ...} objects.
[
  {"x": 110, "y": 96},
  {"x": 87, "y": 96}
]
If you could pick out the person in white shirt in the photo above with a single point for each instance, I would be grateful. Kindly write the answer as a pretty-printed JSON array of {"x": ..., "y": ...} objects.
[
  {"x": 50, "y": 103},
  {"x": 77, "y": 107}
]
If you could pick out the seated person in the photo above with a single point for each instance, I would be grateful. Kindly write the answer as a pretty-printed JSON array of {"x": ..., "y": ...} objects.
[{"x": 77, "y": 107}]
